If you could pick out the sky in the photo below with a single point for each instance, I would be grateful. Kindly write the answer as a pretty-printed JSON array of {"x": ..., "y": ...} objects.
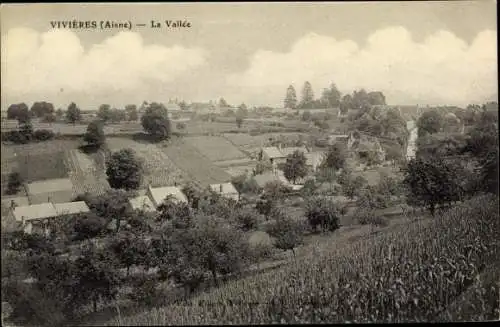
[{"x": 414, "y": 52}]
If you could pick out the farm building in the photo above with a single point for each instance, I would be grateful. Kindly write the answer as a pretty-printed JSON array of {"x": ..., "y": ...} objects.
[
  {"x": 158, "y": 194},
  {"x": 291, "y": 150},
  {"x": 227, "y": 190},
  {"x": 34, "y": 218},
  {"x": 272, "y": 154},
  {"x": 71, "y": 208},
  {"x": 142, "y": 202},
  {"x": 334, "y": 138},
  {"x": 52, "y": 190},
  {"x": 314, "y": 159}
]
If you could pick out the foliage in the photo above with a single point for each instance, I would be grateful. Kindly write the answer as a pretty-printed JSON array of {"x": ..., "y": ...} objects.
[
  {"x": 95, "y": 134},
  {"x": 14, "y": 183},
  {"x": 324, "y": 213},
  {"x": 41, "y": 109},
  {"x": 429, "y": 122},
  {"x": 351, "y": 186},
  {"x": 104, "y": 112},
  {"x": 131, "y": 110},
  {"x": 155, "y": 121},
  {"x": 287, "y": 233},
  {"x": 43, "y": 135},
  {"x": 245, "y": 184},
  {"x": 246, "y": 219},
  {"x": 87, "y": 226},
  {"x": 295, "y": 166},
  {"x": 129, "y": 250},
  {"x": 73, "y": 114},
  {"x": 432, "y": 183},
  {"x": 18, "y": 111},
  {"x": 372, "y": 198},
  {"x": 366, "y": 216},
  {"x": 307, "y": 99},
  {"x": 124, "y": 170},
  {"x": 290, "y": 98},
  {"x": 262, "y": 167},
  {"x": 335, "y": 157},
  {"x": 180, "y": 126}
]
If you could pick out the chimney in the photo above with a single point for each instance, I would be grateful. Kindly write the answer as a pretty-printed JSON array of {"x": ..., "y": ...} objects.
[{"x": 220, "y": 187}]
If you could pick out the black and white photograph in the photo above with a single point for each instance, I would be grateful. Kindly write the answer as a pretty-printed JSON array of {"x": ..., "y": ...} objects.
[{"x": 244, "y": 163}]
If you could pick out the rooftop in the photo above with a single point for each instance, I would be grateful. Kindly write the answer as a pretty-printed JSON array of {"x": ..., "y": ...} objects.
[
  {"x": 70, "y": 208},
  {"x": 159, "y": 194},
  {"x": 273, "y": 152},
  {"x": 35, "y": 211},
  {"x": 290, "y": 150},
  {"x": 227, "y": 188},
  {"x": 142, "y": 203}
]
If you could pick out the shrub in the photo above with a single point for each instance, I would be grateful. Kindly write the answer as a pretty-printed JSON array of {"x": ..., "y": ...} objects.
[
  {"x": 43, "y": 135},
  {"x": 370, "y": 217},
  {"x": 247, "y": 219},
  {"x": 287, "y": 233},
  {"x": 322, "y": 212}
]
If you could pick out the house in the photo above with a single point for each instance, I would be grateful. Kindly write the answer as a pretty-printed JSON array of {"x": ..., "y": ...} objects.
[
  {"x": 341, "y": 138},
  {"x": 365, "y": 146},
  {"x": 142, "y": 202},
  {"x": 314, "y": 159},
  {"x": 227, "y": 190},
  {"x": 173, "y": 107},
  {"x": 158, "y": 194},
  {"x": 58, "y": 190},
  {"x": 71, "y": 208},
  {"x": 272, "y": 155},
  {"x": 35, "y": 217}
]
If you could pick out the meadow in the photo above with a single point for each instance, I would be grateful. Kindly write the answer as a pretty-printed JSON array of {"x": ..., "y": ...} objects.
[
  {"x": 215, "y": 148},
  {"x": 420, "y": 271}
]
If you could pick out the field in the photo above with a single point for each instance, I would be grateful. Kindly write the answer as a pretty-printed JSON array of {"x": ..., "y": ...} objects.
[
  {"x": 159, "y": 169},
  {"x": 252, "y": 143},
  {"x": 414, "y": 272},
  {"x": 215, "y": 148},
  {"x": 42, "y": 166},
  {"x": 84, "y": 173},
  {"x": 196, "y": 166}
]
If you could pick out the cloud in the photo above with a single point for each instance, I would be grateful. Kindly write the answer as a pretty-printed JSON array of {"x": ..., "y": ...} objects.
[
  {"x": 440, "y": 69},
  {"x": 43, "y": 64}
]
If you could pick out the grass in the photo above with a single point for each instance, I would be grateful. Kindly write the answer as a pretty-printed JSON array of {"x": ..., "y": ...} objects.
[
  {"x": 42, "y": 166},
  {"x": 412, "y": 273},
  {"x": 215, "y": 148}
]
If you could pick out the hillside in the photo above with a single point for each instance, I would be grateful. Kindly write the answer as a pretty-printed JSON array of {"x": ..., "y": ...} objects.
[{"x": 412, "y": 273}]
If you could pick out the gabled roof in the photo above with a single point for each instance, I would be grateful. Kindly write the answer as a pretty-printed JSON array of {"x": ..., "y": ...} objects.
[
  {"x": 273, "y": 152},
  {"x": 35, "y": 211},
  {"x": 290, "y": 150},
  {"x": 227, "y": 188},
  {"x": 159, "y": 194},
  {"x": 50, "y": 185},
  {"x": 71, "y": 208},
  {"x": 142, "y": 203}
]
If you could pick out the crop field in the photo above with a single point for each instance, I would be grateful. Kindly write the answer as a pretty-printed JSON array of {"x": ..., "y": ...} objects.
[
  {"x": 40, "y": 166},
  {"x": 413, "y": 273},
  {"x": 215, "y": 148},
  {"x": 159, "y": 169},
  {"x": 84, "y": 174},
  {"x": 196, "y": 166},
  {"x": 40, "y": 147},
  {"x": 252, "y": 143}
]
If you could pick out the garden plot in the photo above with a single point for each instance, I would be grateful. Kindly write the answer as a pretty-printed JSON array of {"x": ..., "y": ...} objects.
[
  {"x": 84, "y": 174},
  {"x": 36, "y": 167},
  {"x": 198, "y": 167},
  {"x": 159, "y": 170},
  {"x": 215, "y": 148}
]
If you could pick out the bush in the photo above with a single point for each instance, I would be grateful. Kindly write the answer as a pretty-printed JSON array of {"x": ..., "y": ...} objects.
[
  {"x": 43, "y": 135},
  {"x": 145, "y": 292},
  {"x": 324, "y": 213},
  {"x": 247, "y": 219},
  {"x": 369, "y": 217}
]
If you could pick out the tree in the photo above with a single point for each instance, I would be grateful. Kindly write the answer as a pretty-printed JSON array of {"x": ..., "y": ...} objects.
[
  {"x": 307, "y": 96},
  {"x": 431, "y": 182},
  {"x": 376, "y": 98},
  {"x": 155, "y": 120},
  {"x": 86, "y": 226},
  {"x": 290, "y": 98},
  {"x": 27, "y": 129},
  {"x": 73, "y": 114},
  {"x": 332, "y": 96},
  {"x": 241, "y": 114},
  {"x": 335, "y": 157},
  {"x": 130, "y": 250},
  {"x": 41, "y": 109},
  {"x": 124, "y": 170},
  {"x": 287, "y": 233},
  {"x": 324, "y": 213},
  {"x": 95, "y": 134},
  {"x": 183, "y": 105},
  {"x": 246, "y": 219},
  {"x": 223, "y": 103},
  {"x": 429, "y": 122},
  {"x": 351, "y": 186},
  {"x": 345, "y": 104},
  {"x": 96, "y": 277},
  {"x": 14, "y": 184},
  {"x": 306, "y": 116},
  {"x": 104, "y": 112},
  {"x": 18, "y": 111},
  {"x": 131, "y": 110},
  {"x": 117, "y": 115},
  {"x": 295, "y": 166},
  {"x": 59, "y": 113}
]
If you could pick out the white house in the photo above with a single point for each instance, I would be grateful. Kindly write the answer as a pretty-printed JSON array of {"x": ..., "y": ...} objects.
[
  {"x": 227, "y": 190},
  {"x": 158, "y": 194}
]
